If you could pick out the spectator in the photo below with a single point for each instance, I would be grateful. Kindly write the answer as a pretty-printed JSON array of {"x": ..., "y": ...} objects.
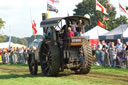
[
  {"x": 127, "y": 54},
  {"x": 14, "y": 56},
  {"x": 103, "y": 52},
  {"x": 10, "y": 54},
  {"x": 0, "y": 55},
  {"x": 4, "y": 57},
  {"x": 93, "y": 52},
  {"x": 21, "y": 58},
  {"x": 119, "y": 44},
  {"x": 98, "y": 49},
  {"x": 7, "y": 57},
  {"x": 119, "y": 48},
  {"x": 109, "y": 44},
  {"x": 112, "y": 55},
  {"x": 123, "y": 56}
]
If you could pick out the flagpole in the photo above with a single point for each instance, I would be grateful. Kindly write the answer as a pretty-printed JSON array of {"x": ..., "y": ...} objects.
[
  {"x": 9, "y": 46},
  {"x": 31, "y": 23},
  {"x": 97, "y": 27},
  {"x": 97, "y": 23},
  {"x": 31, "y": 19},
  {"x": 47, "y": 10},
  {"x": 120, "y": 20}
]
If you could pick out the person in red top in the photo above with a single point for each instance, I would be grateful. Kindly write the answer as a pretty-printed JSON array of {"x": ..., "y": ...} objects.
[{"x": 70, "y": 33}]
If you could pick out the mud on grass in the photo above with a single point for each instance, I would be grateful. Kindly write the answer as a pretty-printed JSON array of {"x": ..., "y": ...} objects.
[{"x": 19, "y": 75}]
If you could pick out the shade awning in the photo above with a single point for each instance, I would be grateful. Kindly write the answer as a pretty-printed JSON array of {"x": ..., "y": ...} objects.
[
  {"x": 50, "y": 22},
  {"x": 54, "y": 21}
]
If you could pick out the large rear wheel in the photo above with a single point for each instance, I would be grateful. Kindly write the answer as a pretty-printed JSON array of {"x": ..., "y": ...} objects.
[
  {"x": 86, "y": 59},
  {"x": 49, "y": 59}
]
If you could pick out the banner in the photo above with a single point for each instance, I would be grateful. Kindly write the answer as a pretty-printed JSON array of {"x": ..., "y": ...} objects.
[
  {"x": 34, "y": 28},
  {"x": 54, "y": 1},
  {"x": 100, "y": 7},
  {"x": 122, "y": 9},
  {"x": 101, "y": 24},
  {"x": 52, "y": 8},
  {"x": 51, "y": 5}
]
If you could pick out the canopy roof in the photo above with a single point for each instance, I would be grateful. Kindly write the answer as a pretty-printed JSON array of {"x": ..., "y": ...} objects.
[
  {"x": 118, "y": 32},
  {"x": 54, "y": 21},
  {"x": 95, "y": 32},
  {"x": 6, "y": 45}
]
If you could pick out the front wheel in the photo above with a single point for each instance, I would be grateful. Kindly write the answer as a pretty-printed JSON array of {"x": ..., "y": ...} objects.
[
  {"x": 49, "y": 59},
  {"x": 33, "y": 64}
]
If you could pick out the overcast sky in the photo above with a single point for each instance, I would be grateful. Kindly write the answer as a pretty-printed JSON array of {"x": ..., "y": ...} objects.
[{"x": 19, "y": 13}]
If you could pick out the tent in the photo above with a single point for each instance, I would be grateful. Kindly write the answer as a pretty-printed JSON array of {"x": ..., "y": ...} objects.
[
  {"x": 18, "y": 45},
  {"x": 93, "y": 34},
  {"x": 117, "y": 33},
  {"x": 5, "y": 44}
]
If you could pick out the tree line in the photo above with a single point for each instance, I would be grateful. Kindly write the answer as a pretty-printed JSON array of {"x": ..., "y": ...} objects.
[{"x": 25, "y": 41}]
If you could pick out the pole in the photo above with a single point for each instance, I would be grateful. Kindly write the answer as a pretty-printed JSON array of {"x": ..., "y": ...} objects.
[
  {"x": 32, "y": 23},
  {"x": 31, "y": 20},
  {"x": 120, "y": 22},
  {"x": 97, "y": 27},
  {"x": 9, "y": 46}
]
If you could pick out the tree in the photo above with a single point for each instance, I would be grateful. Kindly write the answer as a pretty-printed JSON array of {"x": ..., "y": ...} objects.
[
  {"x": 1, "y": 25},
  {"x": 126, "y": 8},
  {"x": 89, "y": 7}
]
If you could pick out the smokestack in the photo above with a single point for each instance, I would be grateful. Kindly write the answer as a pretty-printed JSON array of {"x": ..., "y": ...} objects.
[{"x": 44, "y": 16}]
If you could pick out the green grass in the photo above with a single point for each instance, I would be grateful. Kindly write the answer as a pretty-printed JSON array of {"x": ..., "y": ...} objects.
[
  {"x": 99, "y": 75},
  {"x": 14, "y": 65},
  {"x": 110, "y": 70}
]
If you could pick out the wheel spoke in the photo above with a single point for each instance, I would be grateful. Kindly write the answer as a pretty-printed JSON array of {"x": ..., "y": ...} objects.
[
  {"x": 46, "y": 69},
  {"x": 45, "y": 48},
  {"x": 45, "y": 62},
  {"x": 44, "y": 54}
]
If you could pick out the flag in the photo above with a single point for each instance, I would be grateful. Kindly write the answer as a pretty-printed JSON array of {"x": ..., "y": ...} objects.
[
  {"x": 51, "y": 5},
  {"x": 52, "y": 8},
  {"x": 101, "y": 24},
  {"x": 34, "y": 28},
  {"x": 9, "y": 46},
  {"x": 54, "y": 1},
  {"x": 100, "y": 7},
  {"x": 122, "y": 9}
]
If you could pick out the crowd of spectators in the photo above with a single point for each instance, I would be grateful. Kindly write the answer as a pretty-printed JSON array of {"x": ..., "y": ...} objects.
[
  {"x": 111, "y": 54},
  {"x": 106, "y": 54},
  {"x": 14, "y": 55}
]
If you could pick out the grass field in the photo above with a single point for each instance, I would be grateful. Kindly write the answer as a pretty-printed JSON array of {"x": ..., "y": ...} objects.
[{"x": 19, "y": 75}]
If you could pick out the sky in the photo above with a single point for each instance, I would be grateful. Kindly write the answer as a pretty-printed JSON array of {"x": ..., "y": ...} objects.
[{"x": 18, "y": 14}]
